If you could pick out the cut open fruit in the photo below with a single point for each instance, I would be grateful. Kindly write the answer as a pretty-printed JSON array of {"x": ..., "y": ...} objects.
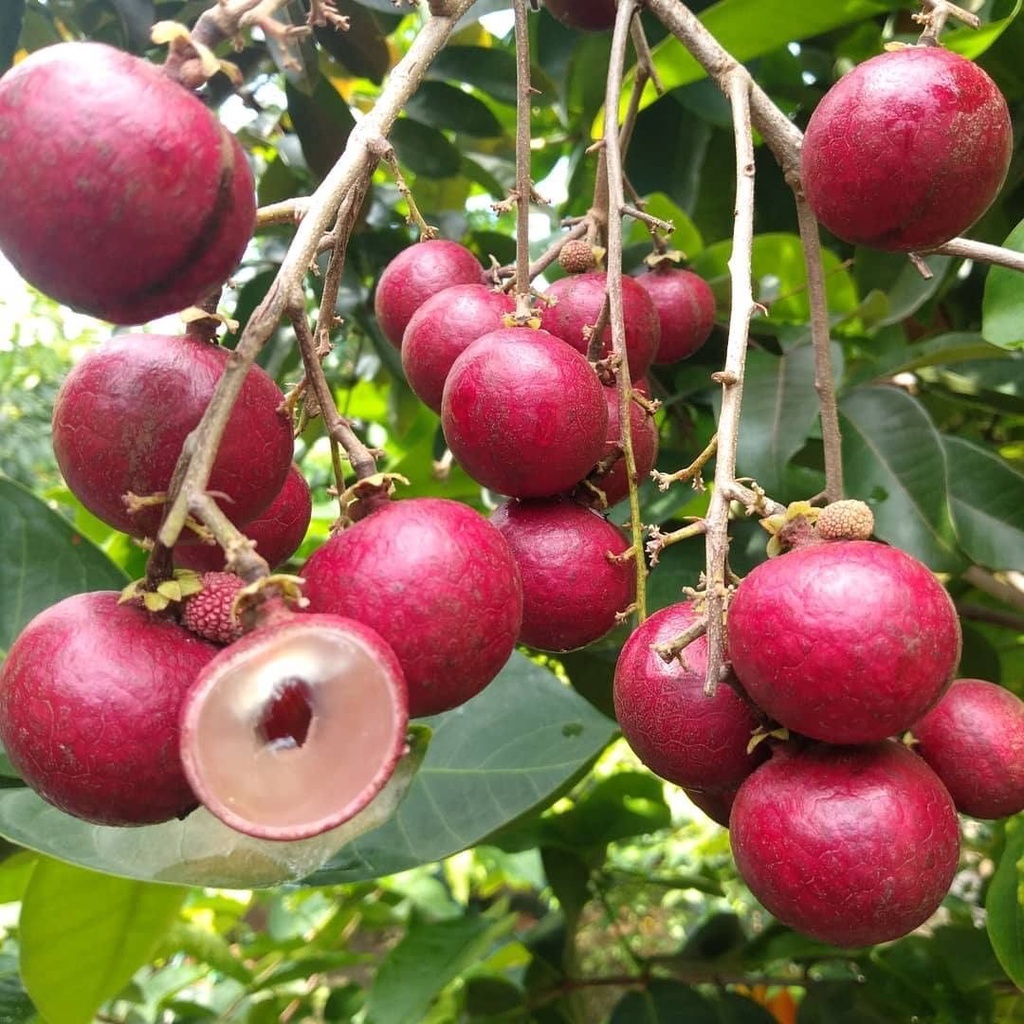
[{"x": 295, "y": 728}]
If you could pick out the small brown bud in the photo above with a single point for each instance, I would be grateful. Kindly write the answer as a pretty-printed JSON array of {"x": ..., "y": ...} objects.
[
  {"x": 845, "y": 520},
  {"x": 577, "y": 256}
]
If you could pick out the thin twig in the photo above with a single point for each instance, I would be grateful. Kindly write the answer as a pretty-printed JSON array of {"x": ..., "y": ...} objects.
[
  {"x": 616, "y": 315},
  {"x": 991, "y": 584},
  {"x": 980, "y": 252},
  {"x": 352, "y": 167},
  {"x": 731, "y": 379},
  {"x": 239, "y": 551},
  {"x": 824, "y": 376},
  {"x": 935, "y": 17},
  {"x": 524, "y": 183}
]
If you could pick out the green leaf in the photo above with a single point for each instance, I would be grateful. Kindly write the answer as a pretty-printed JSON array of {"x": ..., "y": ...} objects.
[
  {"x": 83, "y": 935},
  {"x": 987, "y": 500},
  {"x": 424, "y": 150},
  {"x": 780, "y": 407},
  {"x": 444, "y": 106},
  {"x": 973, "y": 42},
  {"x": 903, "y": 285},
  {"x": 361, "y": 47},
  {"x": 15, "y": 1005},
  {"x": 10, "y": 28},
  {"x": 686, "y": 238},
  {"x": 945, "y": 350},
  {"x": 323, "y": 123},
  {"x": 664, "y": 1002},
  {"x": 491, "y": 70},
  {"x": 894, "y": 460},
  {"x": 1002, "y": 307},
  {"x": 431, "y": 955},
  {"x": 780, "y": 276},
  {"x": 1005, "y": 912},
  {"x": 42, "y": 560},
  {"x": 778, "y": 22},
  {"x": 200, "y": 850},
  {"x": 499, "y": 755}
]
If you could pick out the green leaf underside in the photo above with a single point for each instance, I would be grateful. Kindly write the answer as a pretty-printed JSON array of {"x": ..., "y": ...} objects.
[
  {"x": 197, "y": 851},
  {"x": 499, "y": 755}
]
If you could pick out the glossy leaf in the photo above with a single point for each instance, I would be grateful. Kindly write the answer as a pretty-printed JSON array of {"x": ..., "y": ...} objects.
[
  {"x": 779, "y": 22},
  {"x": 424, "y": 150},
  {"x": 42, "y": 560},
  {"x": 893, "y": 459},
  {"x": 323, "y": 123},
  {"x": 490, "y": 761},
  {"x": 83, "y": 935},
  {"x": 361, "y": 47},
  {"x": 200, "y": 850},
  {"x": 987, "y": 496},
  {"x": 780, "y": 276},
  {"x": 441, "y": 105},
  {"x": 490, "y": 70},
  {"x": 780, "y": 407},
  {"x": 1002, "y": 308},
  {"x": 430, "y": 956},
  {"x": 1004, "y": 904}
]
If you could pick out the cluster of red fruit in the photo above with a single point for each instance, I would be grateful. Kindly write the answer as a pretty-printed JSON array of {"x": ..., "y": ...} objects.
[
  {"x": 844, "y": 832},
  {"x": 526, "y": 415}
]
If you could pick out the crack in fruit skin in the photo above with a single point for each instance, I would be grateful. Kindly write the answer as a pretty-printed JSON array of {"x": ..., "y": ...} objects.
[
  {"x": 692, "y": 740},
  {"x": 580, "y": 298},
  {"x": 906, "y": 151},
  {"x": 524, "y": 413},
  {"x": 102, "y": 217},
  {"x": 846, "y": 641},
  {"x": 853, "y": 846},
  {"x": 974, "y": 741},
  {"x": 90, "y": 695},
  {"x": 571, "y": 590},
  {"x": 125, "y": 409},
  {"x": 416, "y": 274},
  {"x": 438, "y": 582}
]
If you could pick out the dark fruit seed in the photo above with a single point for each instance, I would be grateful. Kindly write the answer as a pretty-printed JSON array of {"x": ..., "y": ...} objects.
[{"x": 286, "y": 718}]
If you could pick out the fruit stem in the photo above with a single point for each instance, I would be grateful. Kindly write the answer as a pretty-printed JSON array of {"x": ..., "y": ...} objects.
[
  {"x": 240, "y": 551},
  {"x": 935, "y": 16},
  {"x": 616, "y": 205},
  {"x": 354, "y": 166},
  {"x": 524, "y": 183},
  {"x": 362, "y": 459},
  {"x": 743, "y": 308},
  {"x": 821, "y": 341},
  {"x": 348, "y": 213}
]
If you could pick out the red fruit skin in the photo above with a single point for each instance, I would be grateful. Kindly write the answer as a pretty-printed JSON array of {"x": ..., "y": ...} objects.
[
  {"x": 358, "y": 727},
  {"x": 974, "y": 741},
  {"x": 846, "y": 641},
  {"x": 572, "y": 590},
  {"x": 906, "y": 151},
  {"x": 644, "y": 432},
  {"x": 717, "y": 805},
  {"x": 686, "y": 311},
  {"x": 524, "y": 413},
  {"x": 442, "y": 329},
  {"x": 694, "y": 741},
  {"x": 850, "y": 845},
  {"x": 438, "y": 582},
  {"x": 278, "y": 532},
  {"x": 125, "y": 409},
  {"x": 89, "y": 701},
  {"x": 580, "y": 298},
  {"x": 416, "y": 274},
  {"x": 97, "y": 212},
  {"x": 585, "y": 15}
]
